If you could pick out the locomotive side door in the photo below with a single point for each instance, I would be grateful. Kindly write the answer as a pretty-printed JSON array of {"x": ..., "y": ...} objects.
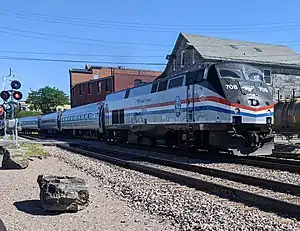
[
  {"x": 101, "y": 117},
  {"x": 190, "y": 97}
]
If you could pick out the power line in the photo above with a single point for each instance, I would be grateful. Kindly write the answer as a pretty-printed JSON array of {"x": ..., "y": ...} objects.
[
  {"x": 243, "y": 30},
  {"x": 145, "y": 24},
  {"x": 55, "y": 38},
  {"x": 80, "y": 61},
  {"x": 78, "y": 54},
  {"x": 236, "y": 58},
  {"x": 70, "y": 42},
  {"x": 81, "y": 38},
  {"x": 283, "y": 54}
]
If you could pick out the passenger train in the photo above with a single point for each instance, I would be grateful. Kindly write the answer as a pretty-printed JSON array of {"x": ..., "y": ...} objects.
[{"x": 224, "y": 106}]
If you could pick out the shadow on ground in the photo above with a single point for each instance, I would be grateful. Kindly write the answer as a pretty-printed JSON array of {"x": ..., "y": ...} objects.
[
  {"x": 33, "y": 207},
  {"x": 2, "y": 226}
]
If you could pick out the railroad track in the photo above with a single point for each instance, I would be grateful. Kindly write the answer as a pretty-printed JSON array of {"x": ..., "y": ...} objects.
[
  {"x": 180, "y": 173},
  {"x": 262, "y": 162},
  {"x": 286, "y": 155}
]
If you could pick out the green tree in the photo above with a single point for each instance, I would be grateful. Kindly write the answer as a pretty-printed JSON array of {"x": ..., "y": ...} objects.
[
  {"x": 47, "y": 99},
  {"x": 23, "y": 113}
]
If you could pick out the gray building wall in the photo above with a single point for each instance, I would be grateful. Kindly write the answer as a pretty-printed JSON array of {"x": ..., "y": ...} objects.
[{"x": 283, "y": 79}]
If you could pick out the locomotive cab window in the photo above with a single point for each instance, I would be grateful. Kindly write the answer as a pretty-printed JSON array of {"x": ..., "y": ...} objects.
[
  {"x": 162, "y": 86},
  {"x": 177, "y": 82},
  {"x": 154, "y": 87}
]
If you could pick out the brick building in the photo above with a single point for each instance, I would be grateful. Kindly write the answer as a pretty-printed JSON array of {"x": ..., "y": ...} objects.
[
  {"x": 280, "y": 64},
  {"x": 94, "y": 82}
]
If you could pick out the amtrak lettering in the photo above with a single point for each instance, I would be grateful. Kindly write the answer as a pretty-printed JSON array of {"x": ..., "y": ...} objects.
[{"x": 143, "y": 100}]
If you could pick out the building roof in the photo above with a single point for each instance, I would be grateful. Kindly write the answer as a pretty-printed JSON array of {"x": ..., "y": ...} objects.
[
  {"x": 234, "y": 50},
  {"x": 78, "y": 70}
]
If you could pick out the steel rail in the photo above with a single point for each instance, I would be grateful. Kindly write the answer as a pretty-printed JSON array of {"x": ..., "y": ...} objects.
[{"x": 252, "y": 199}]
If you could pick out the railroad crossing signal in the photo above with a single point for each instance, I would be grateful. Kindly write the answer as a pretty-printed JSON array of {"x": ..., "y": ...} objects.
[
  {"x": 17, "y": 95},
  {"x": 15, "y": 84},
  {"x": 4, "y": 95}
]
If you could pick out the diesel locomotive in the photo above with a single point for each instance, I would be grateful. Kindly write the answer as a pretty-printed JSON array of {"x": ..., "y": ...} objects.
[{"x": 224, "y": 106}]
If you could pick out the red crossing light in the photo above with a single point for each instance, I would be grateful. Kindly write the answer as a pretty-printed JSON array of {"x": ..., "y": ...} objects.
[{"x": 17, "y": 95}]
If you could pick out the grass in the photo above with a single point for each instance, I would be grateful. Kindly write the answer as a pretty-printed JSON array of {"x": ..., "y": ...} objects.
[
  {"x": 33, "y": 150},
  {"x": 9, "y": 137}
]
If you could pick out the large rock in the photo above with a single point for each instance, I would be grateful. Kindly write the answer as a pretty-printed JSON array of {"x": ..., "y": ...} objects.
[
  {"x": 63, "y": 193},
  {"x": 14, "y": 158}
]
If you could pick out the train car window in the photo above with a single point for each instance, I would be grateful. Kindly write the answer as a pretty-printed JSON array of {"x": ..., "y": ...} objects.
[
  {"x": 154, "y": 87},
  {"x": 115, "y": 117},
  {"x": 81, "y": 117},
  {"x": 77, "y": 117},
  {"x": 162, "y": 86},
  {"x": 175, "y": 82},
  {"x": 121, "y": 116},
  {"x": 127, "y": 94}
]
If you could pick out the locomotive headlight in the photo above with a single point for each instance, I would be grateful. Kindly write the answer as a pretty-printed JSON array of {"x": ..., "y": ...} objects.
[
  {"x": 254, "y": 102},
  {"x": 237, "y": 111}
]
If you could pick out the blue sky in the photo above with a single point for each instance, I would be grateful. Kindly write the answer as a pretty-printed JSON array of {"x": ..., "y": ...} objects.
[{"x": 23, "y": 25}]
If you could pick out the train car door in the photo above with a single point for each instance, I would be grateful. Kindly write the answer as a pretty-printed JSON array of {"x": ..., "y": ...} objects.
[
  {"x": 190, "y": 97},
  {"x": 101, "y": 118}
]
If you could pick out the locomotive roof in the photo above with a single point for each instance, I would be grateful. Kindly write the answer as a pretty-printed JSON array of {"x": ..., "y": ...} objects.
[{"x": 234, "y": 50}]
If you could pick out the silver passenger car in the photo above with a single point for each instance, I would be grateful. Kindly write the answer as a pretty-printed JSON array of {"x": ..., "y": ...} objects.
[
  {"x": 84, "y": 117},
  {"x": 30, "y": 123},
  {"x": 50, "y": 123}
]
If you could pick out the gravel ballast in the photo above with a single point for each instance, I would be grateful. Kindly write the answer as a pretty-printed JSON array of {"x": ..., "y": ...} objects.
[
  {"x": 186, "y": 208},
  {"x": 20, "y": 206},
  {"x": 268, "y": 174}
]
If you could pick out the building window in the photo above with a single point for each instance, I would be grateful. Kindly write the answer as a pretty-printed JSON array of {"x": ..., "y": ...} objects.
[
  {"x": 89, "y": 88},
  {"x": 182, "y": 58},
  {"x": 80, "y": 89},
  {"x": 108, "y": 86},
  {"x": 267, "y": 76},
  {"x": 99, "y": 87},
  {"x": 174, "y": 65},
  {"x": 194, "y": 57}
]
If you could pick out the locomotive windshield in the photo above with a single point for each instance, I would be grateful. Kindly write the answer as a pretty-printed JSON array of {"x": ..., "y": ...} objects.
[
  {"x": 239, "y": 71},
  {"x": 253, "y": 74},
  {"x": 226, "y": 73}
]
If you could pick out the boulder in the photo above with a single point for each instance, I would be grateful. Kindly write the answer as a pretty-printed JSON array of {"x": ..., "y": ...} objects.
[
  {"x": 14, "y": 158},
  {"x": 63, "y": 193}
]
